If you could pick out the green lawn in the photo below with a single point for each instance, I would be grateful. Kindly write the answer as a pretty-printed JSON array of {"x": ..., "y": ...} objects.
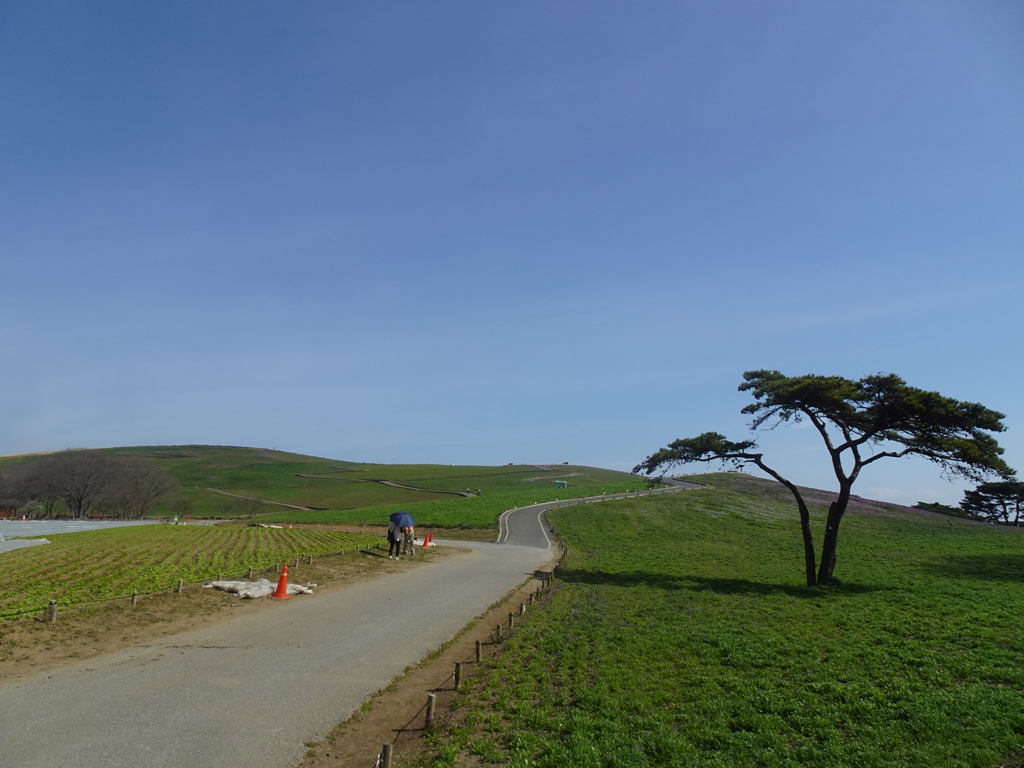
[
  {"x": 681, "y": 635},
  {"x": 458, "y": 512}
]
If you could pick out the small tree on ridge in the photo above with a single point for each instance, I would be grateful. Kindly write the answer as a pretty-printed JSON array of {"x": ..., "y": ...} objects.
[{"x": 1001, "y": 502}]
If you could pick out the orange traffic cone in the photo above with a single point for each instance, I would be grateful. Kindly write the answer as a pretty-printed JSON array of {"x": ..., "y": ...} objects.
[
  {"x": 282, "y": 584},
  {"x": 428, "y": 539}
]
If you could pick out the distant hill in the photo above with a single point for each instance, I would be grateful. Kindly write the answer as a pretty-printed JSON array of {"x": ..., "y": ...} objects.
[{"x": 219, "y": 481}]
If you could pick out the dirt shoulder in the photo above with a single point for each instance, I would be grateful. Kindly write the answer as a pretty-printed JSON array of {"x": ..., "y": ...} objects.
[
  {"x": 396, "y": 713},
  {"x": 31, "y": 646}
]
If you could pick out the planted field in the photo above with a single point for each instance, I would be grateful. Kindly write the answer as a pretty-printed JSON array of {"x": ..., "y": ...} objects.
[
  {"x": 681, "y": 635},
  {"x": 456, "y": 512},
  {"x": 96, "y": 565}
]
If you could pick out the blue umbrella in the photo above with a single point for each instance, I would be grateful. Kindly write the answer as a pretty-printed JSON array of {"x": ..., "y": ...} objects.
[{"x": 402, "y": 519}]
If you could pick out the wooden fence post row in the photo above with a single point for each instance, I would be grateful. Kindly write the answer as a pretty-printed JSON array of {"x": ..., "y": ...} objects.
[{"x": 50, "y": 611}]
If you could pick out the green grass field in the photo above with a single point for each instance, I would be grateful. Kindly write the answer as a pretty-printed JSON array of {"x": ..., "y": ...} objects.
[
  {"x": 681, "y": 635},
  {"x": 454, "y": 512},
  {"x": 347, "y": 488},
  {"x": 114, "y": 562}
]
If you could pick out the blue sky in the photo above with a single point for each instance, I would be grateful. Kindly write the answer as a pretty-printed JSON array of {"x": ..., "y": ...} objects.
[{"x": 490, "y": 232}]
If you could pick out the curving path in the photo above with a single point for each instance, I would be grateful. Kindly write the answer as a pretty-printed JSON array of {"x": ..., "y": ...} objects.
[
  {"x": 526, "y": 526},
  {"x": 464, "y": 494},
  {"x": 256, "y": 498},
  {"x": 248, "y": 693}
]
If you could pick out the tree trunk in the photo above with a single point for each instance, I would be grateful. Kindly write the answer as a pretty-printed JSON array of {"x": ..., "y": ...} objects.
[
  {"x": 805, "y": 529},
  {"x": 805, "y": 522},
  {"x": 828, "y": 550}
]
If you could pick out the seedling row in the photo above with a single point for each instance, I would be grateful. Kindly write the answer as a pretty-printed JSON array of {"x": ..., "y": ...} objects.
[{"x": 105, "y": 564}]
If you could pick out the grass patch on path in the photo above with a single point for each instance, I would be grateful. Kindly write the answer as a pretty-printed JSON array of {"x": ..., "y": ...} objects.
[{"x": 681, "y": 635}]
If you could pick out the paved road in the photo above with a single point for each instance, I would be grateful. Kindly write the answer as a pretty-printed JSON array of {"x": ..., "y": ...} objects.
[
  {"x": 526, "y": 526},
  {"x": 250, "y": 692}
]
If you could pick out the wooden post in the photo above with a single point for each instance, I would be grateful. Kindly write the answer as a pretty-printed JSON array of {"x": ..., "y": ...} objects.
[
  {"x": 431, "y": 703},
  {"x": 310, "y": 559},
  {"x": 51, "y": 610},
  {"x": 497, "y": 633},
  {"x": 532, "y": 596},
  {"x": 277, "y": 567},
  {"x": 511, "y": 621},
  {"x": 135, "y": 599},
  {"x": 250, "y": 573},
  {"x": 220, "y": 577},
  {"x": 522, "y": 608},
  {"x": 458, "y": 675},
  {"x": 181, "y": 585},
  {"x": 386, "y": 755},
  {"x": 479, "y": 652}
]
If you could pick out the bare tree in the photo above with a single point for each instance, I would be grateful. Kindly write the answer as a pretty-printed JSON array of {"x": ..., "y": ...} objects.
[
  {"x": 135, "y": 486},
  {"x": 79, "y": 479},
  {"x": 30, "y": 483},
  {"x": 248, "y": 506},
  {"x": 10, "y": 500}
]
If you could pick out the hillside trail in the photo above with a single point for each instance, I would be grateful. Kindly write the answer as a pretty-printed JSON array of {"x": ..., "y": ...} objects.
[{"x": 253, "y": 692}]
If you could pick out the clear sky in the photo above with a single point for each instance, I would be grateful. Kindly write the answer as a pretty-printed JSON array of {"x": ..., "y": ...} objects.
[{"x": 480, "y": 232}]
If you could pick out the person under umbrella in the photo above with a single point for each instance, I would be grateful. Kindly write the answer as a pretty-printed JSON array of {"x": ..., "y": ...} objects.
[{"x": 400, "y": 531}]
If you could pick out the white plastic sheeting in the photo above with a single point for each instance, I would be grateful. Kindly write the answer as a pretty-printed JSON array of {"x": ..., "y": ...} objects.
[
  {"x": 8, "y": 546},
  {"x": 253, "y": 589}
]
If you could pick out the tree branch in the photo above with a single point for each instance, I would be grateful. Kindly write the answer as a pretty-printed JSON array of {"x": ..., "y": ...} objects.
[{"x": 887, "y": 454}]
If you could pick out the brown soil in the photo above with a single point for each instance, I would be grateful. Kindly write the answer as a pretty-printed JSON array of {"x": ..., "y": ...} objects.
[
  {"x": 32, "y": 646},
  {"x": 396, "y": 713}
]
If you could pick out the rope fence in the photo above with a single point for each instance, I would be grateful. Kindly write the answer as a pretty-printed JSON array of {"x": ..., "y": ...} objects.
[{"x": 502, "y": 632}]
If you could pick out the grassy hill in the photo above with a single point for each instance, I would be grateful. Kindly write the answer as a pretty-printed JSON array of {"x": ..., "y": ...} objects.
[
  {"x": 345, "y": 491},
  {"x": 682, "y": 634}
]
